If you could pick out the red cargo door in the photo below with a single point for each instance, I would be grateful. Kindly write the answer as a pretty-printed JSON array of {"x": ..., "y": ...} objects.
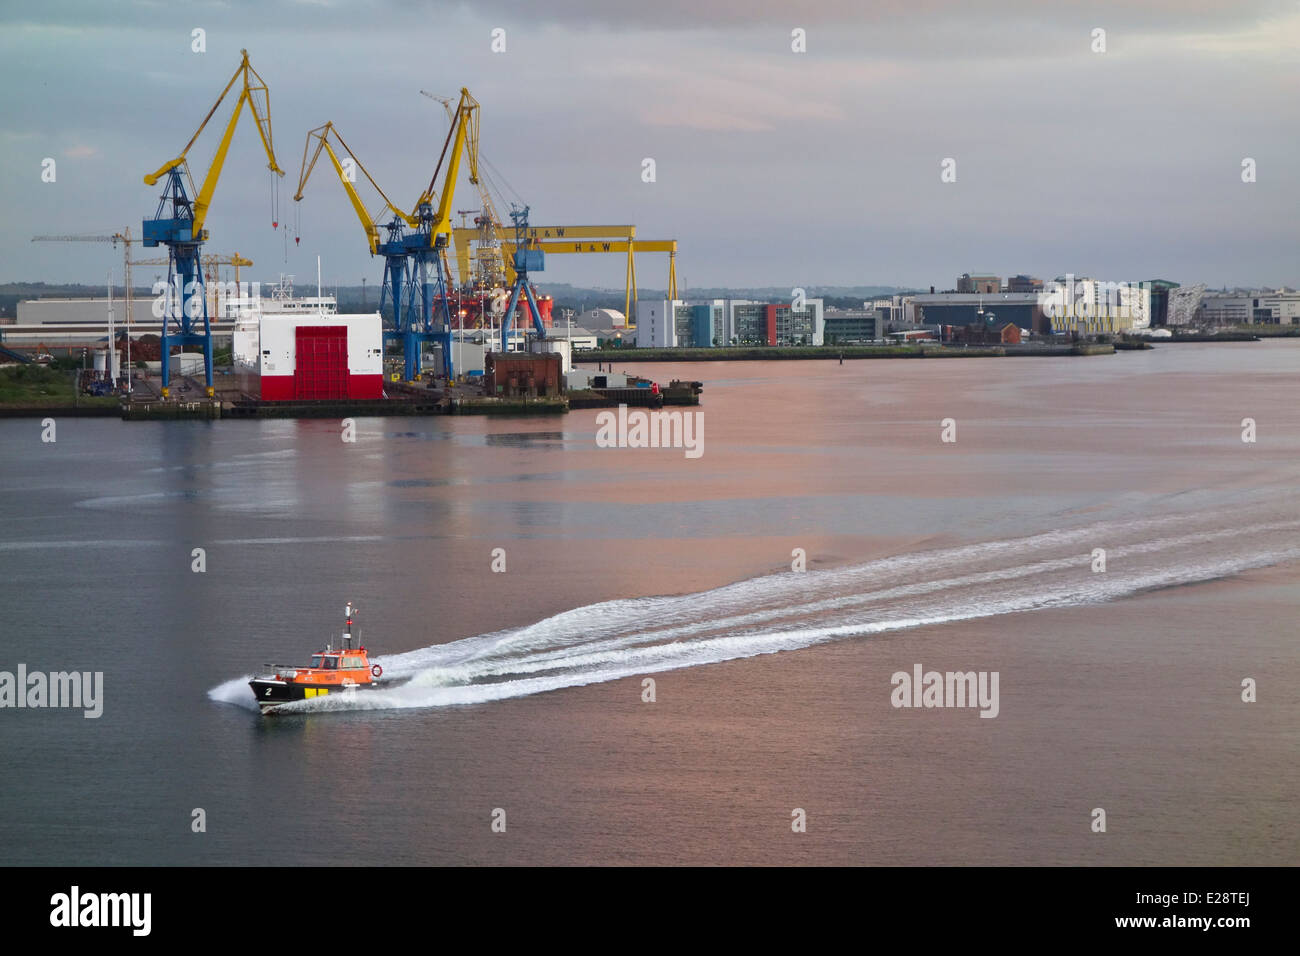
[{"x": 321, "y": 369}]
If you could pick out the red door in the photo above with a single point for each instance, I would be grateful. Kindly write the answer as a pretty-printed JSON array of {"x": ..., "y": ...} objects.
[{"x": 321, "y": 369}]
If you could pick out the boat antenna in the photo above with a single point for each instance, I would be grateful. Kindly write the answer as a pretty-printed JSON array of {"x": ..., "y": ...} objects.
[{"x": 347, "y": 634}]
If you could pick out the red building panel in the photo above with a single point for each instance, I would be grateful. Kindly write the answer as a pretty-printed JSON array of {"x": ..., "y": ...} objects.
[
  {"x": 365, "y": 386},
  {"x": 321, "y": 362},
  {"x": 277, "y": 388},
  {"x": 771, "y": 325}
]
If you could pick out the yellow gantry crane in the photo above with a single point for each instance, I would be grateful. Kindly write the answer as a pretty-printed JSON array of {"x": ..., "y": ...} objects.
[
  {"x": 181, "y": 227},
  {"x": 465, "y": 235},
  {"x": 629, "y": 247},
  {"x": 566, "y": 240}
]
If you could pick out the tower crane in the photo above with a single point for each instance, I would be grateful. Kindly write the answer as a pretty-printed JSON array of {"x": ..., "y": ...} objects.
[
  {"x": 123, "y": 237},
  {"x": 386, "y": 240},
  {"x": 210, "y": 262},
  {"x": 179, "y": 221}
]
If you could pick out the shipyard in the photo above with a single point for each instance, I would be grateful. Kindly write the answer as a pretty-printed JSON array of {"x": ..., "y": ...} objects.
[
  {"x": 300, "y": 356},
  {"x": 553, "y": 368},
  {"x": 483, "y": 338},
  {"x": 593, "y": 435}
]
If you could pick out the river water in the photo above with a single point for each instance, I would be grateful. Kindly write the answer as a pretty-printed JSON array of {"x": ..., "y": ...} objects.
[{"x": 523, "y": 697}]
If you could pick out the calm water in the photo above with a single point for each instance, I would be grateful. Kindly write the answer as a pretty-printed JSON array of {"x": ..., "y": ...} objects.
[{"x": 1118, "y": 690}]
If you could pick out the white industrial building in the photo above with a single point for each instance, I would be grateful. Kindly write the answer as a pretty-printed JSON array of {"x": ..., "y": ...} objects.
[
  {"x": 1069, "y": 304},
  {"x": 1281, "y": 307},
  {"x": 317, "y": 356},
  {"x": 1219, "y": 308},
  {"x": 231, "y": 306},
  {"x": 655, "y": 325}
]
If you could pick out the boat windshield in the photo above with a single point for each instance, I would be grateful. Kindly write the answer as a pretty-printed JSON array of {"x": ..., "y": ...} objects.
[{"x": 315, "y": 661}]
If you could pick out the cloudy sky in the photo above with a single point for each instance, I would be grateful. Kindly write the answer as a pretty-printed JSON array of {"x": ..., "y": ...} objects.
[{"x": 772, "y": 167}]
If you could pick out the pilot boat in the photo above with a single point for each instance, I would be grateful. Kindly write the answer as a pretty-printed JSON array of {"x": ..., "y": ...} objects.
[{"x": 345, "y": 670}]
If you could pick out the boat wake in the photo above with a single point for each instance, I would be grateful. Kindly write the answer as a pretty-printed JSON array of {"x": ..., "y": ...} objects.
[{"x": 787, "y": 611}]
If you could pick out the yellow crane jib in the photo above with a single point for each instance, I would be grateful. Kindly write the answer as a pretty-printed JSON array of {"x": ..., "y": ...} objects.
[
  {"x": 462, "y": 138},
  {"x": 253, "y": 89},
  {"x": 492, "y": 267},
  {"x": 322, "y": 135}
]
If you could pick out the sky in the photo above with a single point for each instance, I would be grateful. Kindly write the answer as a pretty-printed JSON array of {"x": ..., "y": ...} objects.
[{"x": 771, "y": 167}]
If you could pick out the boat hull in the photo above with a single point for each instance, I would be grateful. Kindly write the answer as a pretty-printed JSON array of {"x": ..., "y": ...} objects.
[{"x": 271, "y": 693}]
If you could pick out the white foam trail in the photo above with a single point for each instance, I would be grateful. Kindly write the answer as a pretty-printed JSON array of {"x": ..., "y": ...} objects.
[
  {"x": 347, "y": 539},
  {"x": 787, "y": 611},
  {"x": 98, "y": 543}
]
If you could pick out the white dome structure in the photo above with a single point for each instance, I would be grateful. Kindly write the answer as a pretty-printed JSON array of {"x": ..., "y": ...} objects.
[{"x": 598, "y": 320}]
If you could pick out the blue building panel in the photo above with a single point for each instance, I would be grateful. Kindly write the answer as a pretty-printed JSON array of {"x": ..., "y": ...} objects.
[{"x": 702, "y": 325}]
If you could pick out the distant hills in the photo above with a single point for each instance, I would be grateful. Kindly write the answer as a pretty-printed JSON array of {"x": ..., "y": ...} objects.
[{"x": 12, "y": 292}]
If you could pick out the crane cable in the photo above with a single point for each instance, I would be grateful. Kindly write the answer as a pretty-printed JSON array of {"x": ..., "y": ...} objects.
[
  {"x": 496, "y": 175},
  {"x": 275, "y": 202}
]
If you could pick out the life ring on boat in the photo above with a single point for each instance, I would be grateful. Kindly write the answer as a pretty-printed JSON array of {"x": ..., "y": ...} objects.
[{"x": 376, "y": 670}]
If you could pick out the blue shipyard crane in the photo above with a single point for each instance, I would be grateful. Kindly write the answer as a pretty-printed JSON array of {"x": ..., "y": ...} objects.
[
  {"x": 391, "y": 244},
  {"x": 526, "y": 258},
  {"x": 178, "y": 223},
  {"x": 428, "y": 243}
]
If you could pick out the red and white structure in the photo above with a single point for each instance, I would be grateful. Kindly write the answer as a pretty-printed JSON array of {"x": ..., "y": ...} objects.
[{"x": 320, "y": 357}]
